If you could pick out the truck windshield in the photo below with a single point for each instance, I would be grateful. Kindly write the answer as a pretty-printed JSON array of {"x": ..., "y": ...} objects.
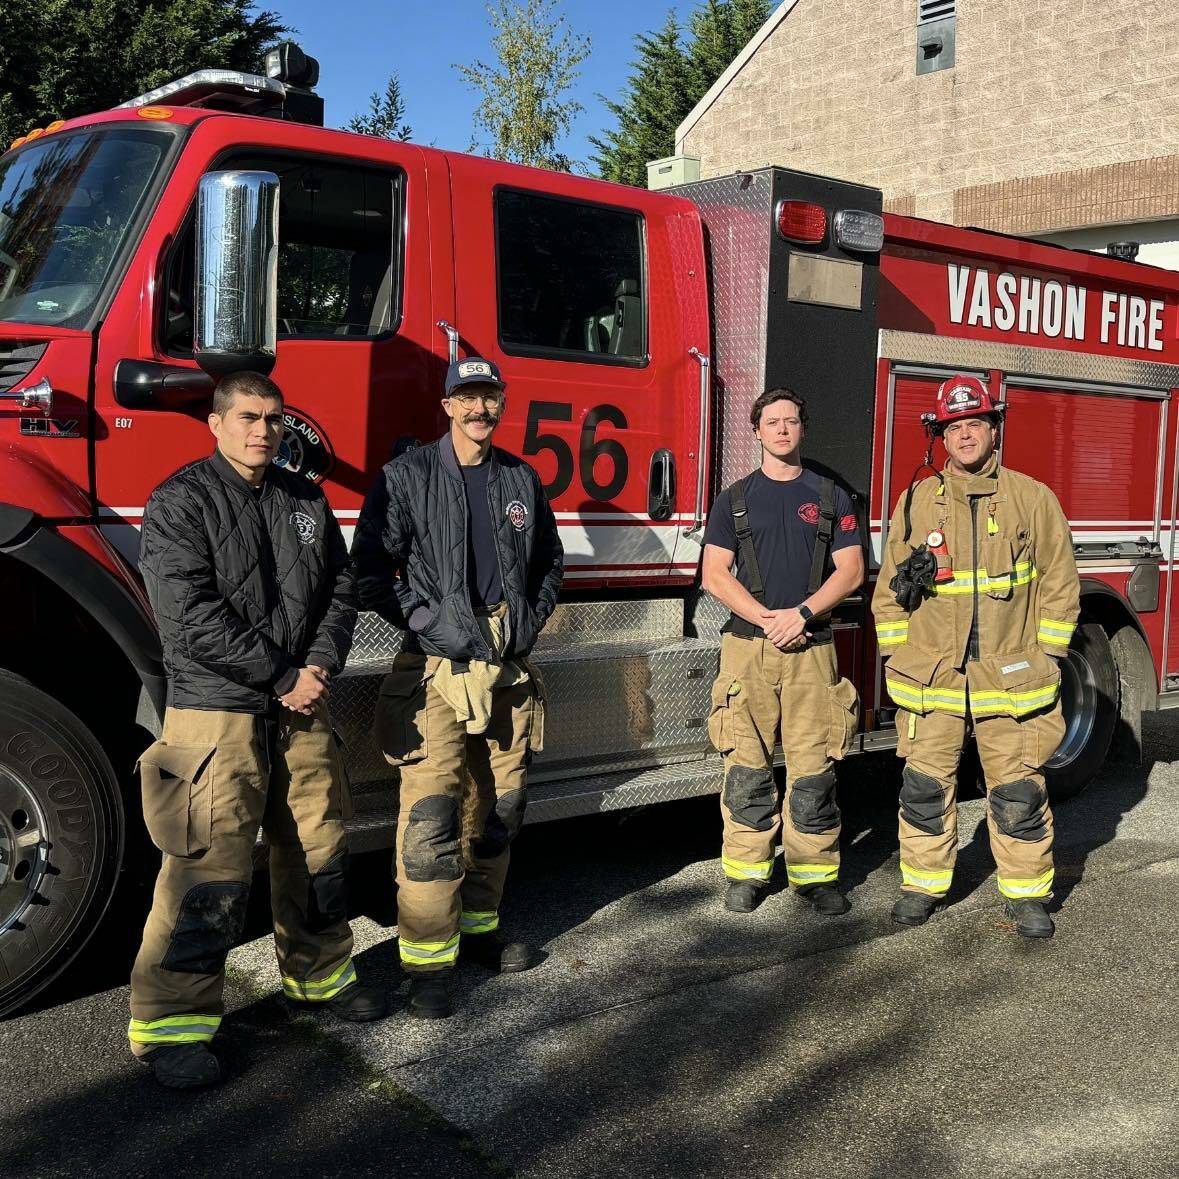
[{"x": 66, "y": 207}]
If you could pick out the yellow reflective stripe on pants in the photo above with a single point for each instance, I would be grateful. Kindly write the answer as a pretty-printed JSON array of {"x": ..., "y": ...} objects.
[
  {"x": 937, "y": 883},
  {"x": 1040, "y": 886},
  {"x": 1012, "y": 703},
  {"x": 174, "y": 1029},
  {"x": 965, "y": 580},
  {"x": 923, "y": 700},
  {"x": 812, "y": 873},
  {"x": 321, "y": 989},
  {"x": 475, "y": 922},
  {"x": 739, "y": 870},
  {"x": 892, "y": 634},
  {"x": 1058, "y": 633},
  {"x": 429, "y": 953}
]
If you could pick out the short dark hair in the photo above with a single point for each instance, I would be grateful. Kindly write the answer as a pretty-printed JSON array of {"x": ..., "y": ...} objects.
[
  {"x": 772, "y": 395},
  {"x": 246, "y": 383}
]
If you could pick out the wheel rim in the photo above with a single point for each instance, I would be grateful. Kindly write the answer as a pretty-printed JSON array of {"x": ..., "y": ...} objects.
[
  {"x": 1078, "y": 700},
  {"x": 24, "y": 848}
]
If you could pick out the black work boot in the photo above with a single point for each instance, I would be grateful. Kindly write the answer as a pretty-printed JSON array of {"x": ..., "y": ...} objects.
[
  {"x": 825, "y": 898},
  {"x": 184, "y": 1066},
  {"x": 494, "y": 952},
  {"x": 742, "y": 896},
  {"x": 359, "y": 1004},
  {"x": 1031, "y": 918},
  {"x": 429, "y": 994},
  {"x": 915, "y": 908}
]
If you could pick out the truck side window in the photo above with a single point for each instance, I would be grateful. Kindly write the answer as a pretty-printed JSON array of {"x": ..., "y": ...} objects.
[
  {"x": 339, "y": 254},
  {"x": 571, "y": 279}
]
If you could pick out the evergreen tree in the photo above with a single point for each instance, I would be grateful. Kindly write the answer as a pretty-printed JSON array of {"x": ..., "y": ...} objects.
[
  {"x": 58, "y": 60},
  {"x": 669, "y": 78},
  {"x": 521, "y": 106},
  {"x": 386, "y": 115}
]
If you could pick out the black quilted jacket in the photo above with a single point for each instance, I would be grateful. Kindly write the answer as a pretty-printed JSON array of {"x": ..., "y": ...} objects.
[
  {"x": 246, "y": 586},
  {"x": 411, "y": 550}
]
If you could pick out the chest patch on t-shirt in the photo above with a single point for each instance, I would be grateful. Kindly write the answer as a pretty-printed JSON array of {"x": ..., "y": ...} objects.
[{"x": 809, "y": 513}]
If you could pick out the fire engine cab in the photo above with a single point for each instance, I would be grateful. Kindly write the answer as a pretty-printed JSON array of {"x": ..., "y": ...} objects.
[{"x": 214, "y": 224}]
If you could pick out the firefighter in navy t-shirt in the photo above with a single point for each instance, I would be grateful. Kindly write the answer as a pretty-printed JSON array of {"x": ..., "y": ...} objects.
[{"x": 778, "y": 676}]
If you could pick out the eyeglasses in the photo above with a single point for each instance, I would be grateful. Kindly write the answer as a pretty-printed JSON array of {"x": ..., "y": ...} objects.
[{"x": 469, "y": 400}]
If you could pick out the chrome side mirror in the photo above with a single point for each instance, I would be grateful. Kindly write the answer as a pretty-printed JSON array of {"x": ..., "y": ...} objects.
[{"x": 235, "y": 325}]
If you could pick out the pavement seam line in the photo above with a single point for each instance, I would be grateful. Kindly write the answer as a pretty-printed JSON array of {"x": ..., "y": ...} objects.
[
  {"x": 591, "y": 1013},
  {"x": 304, "y": 1026}
]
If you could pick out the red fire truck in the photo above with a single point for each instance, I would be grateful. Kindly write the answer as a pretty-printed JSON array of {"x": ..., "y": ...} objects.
[{"x": 634, "y": 330}]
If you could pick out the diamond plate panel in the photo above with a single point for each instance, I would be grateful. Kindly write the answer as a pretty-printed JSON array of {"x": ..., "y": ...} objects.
[
  {"x": 951, "y": 352},
  {"x": 738, "y": 219}
]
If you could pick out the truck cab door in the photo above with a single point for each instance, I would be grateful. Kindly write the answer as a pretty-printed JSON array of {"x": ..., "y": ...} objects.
[
  {"x": 589, "y": 299},
  {"x": 355, "y": 307}
]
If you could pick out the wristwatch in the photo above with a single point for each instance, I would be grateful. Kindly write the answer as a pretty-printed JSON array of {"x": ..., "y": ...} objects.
[{"x": 806, "y": 612}]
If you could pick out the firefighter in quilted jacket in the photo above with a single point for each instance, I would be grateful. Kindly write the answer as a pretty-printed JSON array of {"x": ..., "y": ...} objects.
[{"x": 976, "y": 603}]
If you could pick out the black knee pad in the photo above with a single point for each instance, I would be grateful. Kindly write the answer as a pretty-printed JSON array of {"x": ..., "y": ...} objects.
[
  {"x": 1018, "y": 810},
  {"x": 327, "y": 895},
  {"x": 431, "y": 850},
  {"x": 502, "y": 825},
  {"x": 813, "y": 809},
  {"x": 923, "y": 802},
  {"x": 209, "y": 924},
  {"x": 751, "y": 797}
]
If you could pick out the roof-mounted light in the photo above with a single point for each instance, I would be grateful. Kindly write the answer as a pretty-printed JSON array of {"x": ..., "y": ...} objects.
[
  {"x": 859, "y": 231},
  {"x": 203, "y": 86},
  {"x": 802, "y": 222},
  {"x": 288, "y": 63}
]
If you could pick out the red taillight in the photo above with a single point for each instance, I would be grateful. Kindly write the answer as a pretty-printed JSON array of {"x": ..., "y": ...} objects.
[{"x": 800, "y": 221}]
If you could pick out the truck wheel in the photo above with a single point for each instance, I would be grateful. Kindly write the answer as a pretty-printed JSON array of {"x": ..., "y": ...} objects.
[
  {"x": 1089, "y": 697},
  {"x": 61, "y": 838}
]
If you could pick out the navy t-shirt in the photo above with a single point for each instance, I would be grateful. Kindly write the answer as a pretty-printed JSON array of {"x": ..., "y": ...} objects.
[
  {"x": 784, "y": 520},
  {"x": 483, "y": 577}
]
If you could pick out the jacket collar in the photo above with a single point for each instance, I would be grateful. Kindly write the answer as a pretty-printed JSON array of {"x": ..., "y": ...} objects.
[
  {"x": 984, "y": 482},
  {"x": 233, "y": 479},
  {"x": 450, "y": 461}
]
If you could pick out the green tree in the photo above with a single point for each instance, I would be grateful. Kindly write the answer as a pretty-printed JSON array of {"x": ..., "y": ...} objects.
[
  {"x": 658, "y": 96},
  {"x": 386, "y": 115},
  {"x": 668, "y": 79},
  {"x": 59, "y": 59},
  {"x": 521, "y": 107}
]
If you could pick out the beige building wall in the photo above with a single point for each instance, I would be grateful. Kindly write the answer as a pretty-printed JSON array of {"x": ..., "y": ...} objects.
[{"x": 1067, "y": 92}]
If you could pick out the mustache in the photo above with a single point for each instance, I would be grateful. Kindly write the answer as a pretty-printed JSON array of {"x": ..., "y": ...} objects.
[{"x": 490, "y": 418}]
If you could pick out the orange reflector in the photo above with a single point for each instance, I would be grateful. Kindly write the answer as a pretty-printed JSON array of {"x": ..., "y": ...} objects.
[
  {"x": 56, "y": 125},
  {"x": 36, "y": 133},
  {"x": 16, "y": 142},
  {"x": 800, "y": 221},
  {"x": 154, "y": 112}
]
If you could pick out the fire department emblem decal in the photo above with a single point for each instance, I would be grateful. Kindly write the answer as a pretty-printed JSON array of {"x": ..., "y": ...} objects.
[
  {"x": 304, "y": 527},
  {"x": 304, "y": 448},
  {"x": 517, "y": 515},
  {"x": 809, "y": 513},
  {"x": 962, "y": 397}
]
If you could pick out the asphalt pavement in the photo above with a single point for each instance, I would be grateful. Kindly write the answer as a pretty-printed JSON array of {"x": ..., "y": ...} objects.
[{"x": 662, "y": 1036}]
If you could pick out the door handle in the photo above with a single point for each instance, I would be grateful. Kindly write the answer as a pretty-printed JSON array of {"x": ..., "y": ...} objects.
[
  {"x": 146, "y": 384},
  {"x": 698, "y": 516},
  {"x": 452, "y": 338},
  {"x": 661, "y": 486}
]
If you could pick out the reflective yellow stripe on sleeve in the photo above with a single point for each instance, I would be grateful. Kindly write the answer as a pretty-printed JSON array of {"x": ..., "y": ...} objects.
[
  {"x": 921, "y": 700},
  {"x": 1039, "y": 886},
  {"x": 1055, "y": 633},
  {"x": 740, "y": 870},
  {"x": 892, "y": 634}
]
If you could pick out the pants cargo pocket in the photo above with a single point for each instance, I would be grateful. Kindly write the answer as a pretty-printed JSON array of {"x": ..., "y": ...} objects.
[
  {"x": 539, "y": 703},
  {"x": 843, "y": 703},
  {"x": 177, "y": 784},
  {"x": 347, "y": 809},
  {"x": 720, "y": 718},
  {"x": 1042, "y": 735},
  {"x": 399, "y": 721}
]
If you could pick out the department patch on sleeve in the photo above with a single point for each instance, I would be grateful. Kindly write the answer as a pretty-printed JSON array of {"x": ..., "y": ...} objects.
[{"x": 848, "y": 523}]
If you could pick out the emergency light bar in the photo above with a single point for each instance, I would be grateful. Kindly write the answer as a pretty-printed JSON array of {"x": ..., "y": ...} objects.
[
  {"x": 199, "y": 87},
  {"x": 860, "y": 231}
]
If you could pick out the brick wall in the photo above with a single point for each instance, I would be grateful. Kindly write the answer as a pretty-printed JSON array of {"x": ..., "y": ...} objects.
[{"x": 1081, "y": 94}]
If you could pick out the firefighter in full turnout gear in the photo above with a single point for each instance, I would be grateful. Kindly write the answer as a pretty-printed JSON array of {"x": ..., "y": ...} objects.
[
  {"x": 457, "y": 545},
  {"x": 778, "y": 671},
  {"x": 978, "y": 598},
  {"x": 251, "y": 587}
]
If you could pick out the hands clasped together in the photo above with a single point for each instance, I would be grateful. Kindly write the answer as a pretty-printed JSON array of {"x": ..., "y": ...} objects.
[
  {"x": 311, "y": 688},
  {"x": 786, "y": 629}
]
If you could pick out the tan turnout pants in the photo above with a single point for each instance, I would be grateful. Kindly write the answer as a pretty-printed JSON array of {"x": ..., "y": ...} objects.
[
  {"x": 1019, "y": 819},
  {"x": 760, "y": 696},
  {"x": 208, "y": 784},
  {"x": 461, "y": 805}
]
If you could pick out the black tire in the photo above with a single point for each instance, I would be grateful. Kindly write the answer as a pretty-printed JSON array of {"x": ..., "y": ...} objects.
[
  {"x": 61, "y": 838},
  {"x": 1089, "y": 694}
]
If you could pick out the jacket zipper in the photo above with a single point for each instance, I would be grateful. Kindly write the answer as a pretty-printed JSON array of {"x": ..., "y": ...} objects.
[
  {"x": 476, "y": 633},
  {"x": 972, "y": 647},
  {"x": 268, "y": 548},
  {"x": 499, "y": 559}
]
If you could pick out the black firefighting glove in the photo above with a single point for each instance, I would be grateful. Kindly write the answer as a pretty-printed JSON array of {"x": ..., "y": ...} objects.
[{"x": 914, "y": 578}]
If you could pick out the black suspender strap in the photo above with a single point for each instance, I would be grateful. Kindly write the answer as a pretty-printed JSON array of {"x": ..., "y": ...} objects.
[
  {"x": 745, "y": 538},
  {"x": 825, "y": 534}
]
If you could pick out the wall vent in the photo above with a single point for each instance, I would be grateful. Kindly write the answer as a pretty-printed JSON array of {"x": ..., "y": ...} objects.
[{"x": 936, "y": 28}]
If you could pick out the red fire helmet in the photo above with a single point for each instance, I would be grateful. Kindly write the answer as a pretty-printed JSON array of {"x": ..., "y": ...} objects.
[{"x": 962, "y": 397}]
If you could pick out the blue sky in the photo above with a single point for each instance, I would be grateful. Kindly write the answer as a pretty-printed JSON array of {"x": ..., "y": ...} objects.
[{"x": 360, "y": 42}]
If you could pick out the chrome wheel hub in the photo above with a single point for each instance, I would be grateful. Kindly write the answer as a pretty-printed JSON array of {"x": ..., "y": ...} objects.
[
  {"x": 24, "y": 848},
  {"x": 1078, "y": 699}
]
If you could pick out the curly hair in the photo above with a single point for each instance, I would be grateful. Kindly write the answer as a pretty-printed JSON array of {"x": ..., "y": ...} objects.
[{"x": 772, "y": 395}]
